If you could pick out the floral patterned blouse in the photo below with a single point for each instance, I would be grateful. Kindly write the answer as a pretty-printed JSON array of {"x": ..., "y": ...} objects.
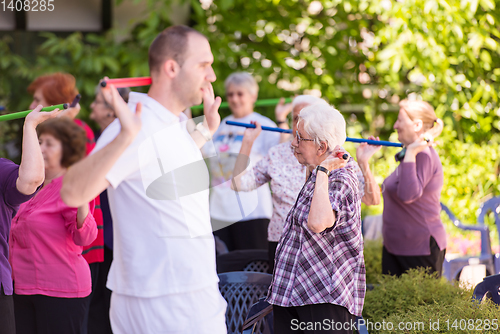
[{"x": 287, "y": 176}]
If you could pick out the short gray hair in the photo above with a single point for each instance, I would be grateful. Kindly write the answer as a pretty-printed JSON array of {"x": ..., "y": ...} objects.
[
  {"x": 307, "y": 99},
  {"x": 324, "y": 123},
  {"x": 243, "y": 79}
]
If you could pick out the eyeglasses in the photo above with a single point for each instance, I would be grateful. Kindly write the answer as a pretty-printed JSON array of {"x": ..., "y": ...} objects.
[
  {"x": 299, "y": 138},
  {"x": 229, "y": 95}
]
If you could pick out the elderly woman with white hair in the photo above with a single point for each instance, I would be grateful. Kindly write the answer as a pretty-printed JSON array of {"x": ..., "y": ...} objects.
[
  {"x": 285, "y": 174},
  {"x": 240, "y": 220},
  {"x": 319, "y": 271}
]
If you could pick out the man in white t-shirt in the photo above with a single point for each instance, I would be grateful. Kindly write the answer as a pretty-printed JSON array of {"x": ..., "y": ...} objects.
[{"x": 163, "y": 274}]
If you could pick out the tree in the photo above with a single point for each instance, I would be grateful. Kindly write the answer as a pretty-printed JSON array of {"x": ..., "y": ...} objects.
[{"x": 362, "y": 56}]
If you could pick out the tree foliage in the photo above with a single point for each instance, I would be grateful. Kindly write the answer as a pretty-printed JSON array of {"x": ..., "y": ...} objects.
[{"x": 363, "y": 56}]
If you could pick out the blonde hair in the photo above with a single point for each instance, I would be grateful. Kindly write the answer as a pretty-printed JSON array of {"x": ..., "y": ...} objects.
[{"x": 425, "y": 112}]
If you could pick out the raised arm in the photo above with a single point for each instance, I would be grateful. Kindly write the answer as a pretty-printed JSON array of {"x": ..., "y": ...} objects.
[
  {"x": 281, "y": 112},
  {"x": 31, "y": 169},
  {"x": 243, "y": 159},
  {"x": 372, "y": 190},
  {"x": 321, "y": 214},
  {"x": 87, "y": 178},
  {"x": 415, "y": 171},
  {"x": 211, "y": 123}
]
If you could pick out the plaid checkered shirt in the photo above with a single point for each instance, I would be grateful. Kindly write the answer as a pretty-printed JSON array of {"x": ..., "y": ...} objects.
[{"x": 326, "y": 267}]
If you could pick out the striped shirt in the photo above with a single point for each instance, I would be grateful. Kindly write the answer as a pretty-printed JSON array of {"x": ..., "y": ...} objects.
[{"x": 326, "y": 267}]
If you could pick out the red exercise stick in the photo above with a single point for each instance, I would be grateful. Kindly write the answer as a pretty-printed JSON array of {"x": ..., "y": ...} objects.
[
  {"x": 128, "y": 82},
  {"x": 344, "y": 156}
]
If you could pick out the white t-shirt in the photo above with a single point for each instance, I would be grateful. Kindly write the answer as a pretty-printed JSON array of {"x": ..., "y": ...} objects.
[
  {"x": 225, "y": 204},
  {"x": 163, "y": 243}
]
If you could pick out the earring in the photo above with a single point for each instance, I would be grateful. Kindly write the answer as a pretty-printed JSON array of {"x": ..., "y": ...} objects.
[{"x": 110, "y": 114}]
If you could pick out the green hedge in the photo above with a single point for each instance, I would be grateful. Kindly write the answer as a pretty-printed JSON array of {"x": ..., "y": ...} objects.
[
  {"x": 373, "y": 260},
  {"x": 417, "y": 297}
]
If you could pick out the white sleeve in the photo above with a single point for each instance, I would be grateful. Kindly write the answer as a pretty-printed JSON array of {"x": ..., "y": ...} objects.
[{"x": 127, "y": 163}]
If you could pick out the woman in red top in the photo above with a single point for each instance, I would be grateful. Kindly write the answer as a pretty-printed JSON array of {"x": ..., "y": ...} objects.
[{"x": 57, "y": 88}]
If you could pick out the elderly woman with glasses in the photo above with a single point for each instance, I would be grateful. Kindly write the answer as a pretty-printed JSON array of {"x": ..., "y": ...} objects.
[
  {"x": 319, "y": 271},
  {"x": 283, "y": 172}
]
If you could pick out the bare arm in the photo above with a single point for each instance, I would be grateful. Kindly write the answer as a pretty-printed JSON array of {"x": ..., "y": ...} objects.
[
  {"x": 372, "y": 190},
  {"x": 281, "y": 112},
  {"x": 242, "y": 160},
  {"x": 87, "y": 178},
  {"x": 321, "y": 215},
  {"x": 31, "y": 169},
  {"x": 81, "y": 214},
  {"x": 84, "y": 232},
  {"x": 241, "y": 164}
]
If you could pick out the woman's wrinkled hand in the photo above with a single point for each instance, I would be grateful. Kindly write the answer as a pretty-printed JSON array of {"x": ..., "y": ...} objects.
[
  {"x": 335, "y": 160},
  {"x": 130, "y": 122},
  {"x": 365, "y": 151},
  {"x": 423, "y": 141},
  {"x": 251, "y": 134},
  {"x": 282, "y": 110},
  {"x": 37, "y": 116}
]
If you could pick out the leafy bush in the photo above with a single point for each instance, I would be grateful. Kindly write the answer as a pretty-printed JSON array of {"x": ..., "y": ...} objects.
[
  {"x": 461, "y": 315},
  {"x": 373, "y": 260},
  {"x": 420, "y": 297}
]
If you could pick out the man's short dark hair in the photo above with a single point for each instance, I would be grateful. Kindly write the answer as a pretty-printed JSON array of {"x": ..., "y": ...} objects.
[{"x": 171, "y": 43}]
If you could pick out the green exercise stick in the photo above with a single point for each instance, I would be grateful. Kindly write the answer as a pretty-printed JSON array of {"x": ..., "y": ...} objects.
[
  {"x": 259, "y": 103},
  {"x": 23, "y": 114}
]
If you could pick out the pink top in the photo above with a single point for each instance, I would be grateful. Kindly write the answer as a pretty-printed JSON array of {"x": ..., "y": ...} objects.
[{"x": 46, "y": 246}]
